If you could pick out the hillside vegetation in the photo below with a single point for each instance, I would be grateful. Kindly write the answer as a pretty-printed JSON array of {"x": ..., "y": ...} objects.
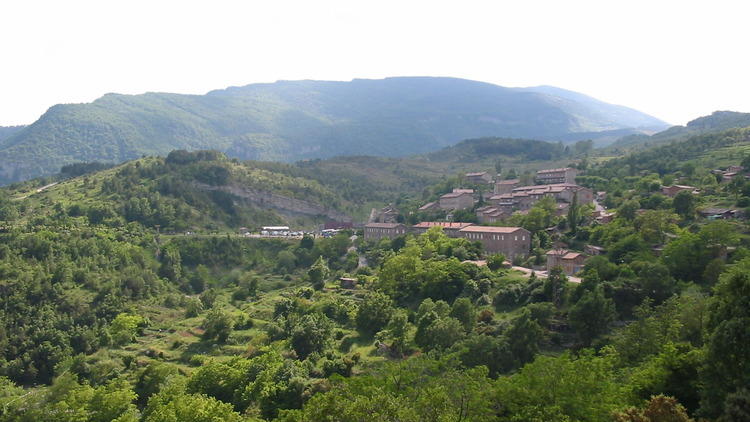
[
  {"x": 293, "y": 120},
  {"x": 106, "y": 317},
  {"x": 716, "y": 122}
]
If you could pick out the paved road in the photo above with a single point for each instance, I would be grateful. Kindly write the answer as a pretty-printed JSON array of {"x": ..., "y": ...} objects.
[{"x": 542, "y": 274}]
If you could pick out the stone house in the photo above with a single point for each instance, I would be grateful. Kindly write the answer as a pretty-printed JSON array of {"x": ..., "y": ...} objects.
[
  {"x": 672, "y": 191},
  {"x": 449, "y": 228},
  {"x": 377, "y": 231},
  {"x": 493, "y": 214},
  {"x": 456, "y": 201},
  {"x": 717, "y": 213},
  {"x": 552, "y": 176},
  {"x": 506, "y": 186},
  {"x": 348, "y": 283},
  {"x": 570, "y": 262},
  {"x": 509, "y": 241},
  {"x": 479, "y": 178}
]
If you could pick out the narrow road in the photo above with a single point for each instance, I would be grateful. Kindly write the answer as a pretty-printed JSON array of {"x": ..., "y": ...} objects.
[{"x": 542, "y": 274}]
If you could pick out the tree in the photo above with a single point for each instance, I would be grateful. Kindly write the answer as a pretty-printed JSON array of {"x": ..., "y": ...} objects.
[
  {"x": 307, "y": 242},
  {"x": 441, "y": 334},
  {"x": 374, "y": 312},
  {"x": 684, "y": 204},
  {"x": 523, "y": 338},
  {"x": 124, "y": 328},
  {"x": 397, "y": 331},
  {"x": 172, "y": 404},
  {"x": 218, "y": 325},
  {"x": 737, "y": 406},
  {"x": 311, "y": 334},
  {"x": 555, "y": 286},
  {"x": 463, "y": 310},
  {"x": 573, "y": 213},
  {"x": 591, "y": 315},
  {"x": 653, "y": 225},
  {"x": 495, "y": 261},
  {"x": 628, "y": 209},
  {"x": 286, "y": 261},
  {"x": 484, "y": 350},
  {"x": 318, "y": 273},
  {"x": 151, "y": 379},
  {"x": 561, "y": 389},
  {"x": 171, "y": 263},
  {"x": 728, "y": 327},
  {"x": 659, "y": 409}
]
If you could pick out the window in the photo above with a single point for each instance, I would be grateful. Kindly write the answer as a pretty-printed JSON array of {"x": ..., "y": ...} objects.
[{"x": 515, "y": 237}]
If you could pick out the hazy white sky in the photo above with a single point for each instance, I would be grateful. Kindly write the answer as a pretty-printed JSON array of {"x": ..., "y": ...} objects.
[{"x": 676, "y": 60}]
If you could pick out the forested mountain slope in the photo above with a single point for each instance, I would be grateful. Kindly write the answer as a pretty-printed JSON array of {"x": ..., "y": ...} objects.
[
  {"x": 292, "y": 120},
  {"x": 716, "y": 122}
]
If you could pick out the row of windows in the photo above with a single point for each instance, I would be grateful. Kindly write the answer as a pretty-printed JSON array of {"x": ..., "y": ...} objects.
[
  {"x": 386, "y": 231},
  {"x": 480, "y": 236}
]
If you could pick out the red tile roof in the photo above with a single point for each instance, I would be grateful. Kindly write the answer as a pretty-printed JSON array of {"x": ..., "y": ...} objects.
[
  {"x": 490, "y": 229},
  {"x": 443, "y": 224},
  {"x": 383, "y": 225},
  {"x": 554, "y": 170}
]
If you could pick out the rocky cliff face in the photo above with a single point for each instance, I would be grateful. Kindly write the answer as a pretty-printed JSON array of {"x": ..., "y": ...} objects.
[{"x": 282, "y": 204}]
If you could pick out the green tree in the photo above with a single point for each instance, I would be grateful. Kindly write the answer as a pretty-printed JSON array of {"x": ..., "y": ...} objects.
[
  {"x": 172, "y": 404},
  {"x": 124, "y": 328},
  {"x": 495, "y": 261},
  {"x": 561, "y": 389},
  {"x": 574, "y": 214},
  {"x": 218, "y": 325},
  {"x": 151, "y": 379},
  {"x": 591, "y": 315},
  {"x": 398, "y": 332},
  {"x": 374, "y": 312},
  {"x": 463, "y": 310},
  {"x": 684, "y": 204},
  {"x": 318, "y": 273},
  {"x": 311, "y": 334},
  {"x": 729, "y": 328},
  {"x": 628, "y": 209},
  {"x": 523, "y": 337},
  {"x": 286, "y": 262},
  {"x": 659, "y": 409}
]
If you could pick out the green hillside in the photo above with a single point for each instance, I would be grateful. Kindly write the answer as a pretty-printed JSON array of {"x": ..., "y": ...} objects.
[
  {"x": 106, "y": 317},
  {"x": 716, "y": 122},
  {"x": 293, "y": 120},
  {"x": 188, "y": 191}
]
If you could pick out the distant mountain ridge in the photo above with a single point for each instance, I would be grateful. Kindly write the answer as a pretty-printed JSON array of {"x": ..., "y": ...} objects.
[
  {"x": 715, "y": 122},
  {"x": 293, "y": 120}
]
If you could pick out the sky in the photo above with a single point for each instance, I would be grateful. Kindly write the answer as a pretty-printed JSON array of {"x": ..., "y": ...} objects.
[{"x": 675, "y": 60}]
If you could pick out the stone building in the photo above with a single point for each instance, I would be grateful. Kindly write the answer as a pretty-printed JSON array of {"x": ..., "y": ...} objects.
[
  {"x": 377, "y": 231},
  {"x": 570, "y": 262},
  {"x": 552, "y": 176},
  {"x": 506, "y": 186},
  {"x": 479, "y": 177},
  {"x": 449, "y": 228},
  {"x": 509, "y": 241},
  {"x": 456, "y": 201},
  {"x": 672, "y": 191}
]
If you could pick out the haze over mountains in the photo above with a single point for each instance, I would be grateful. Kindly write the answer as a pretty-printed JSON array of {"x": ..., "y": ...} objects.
[{"x": 293, "y": 120}]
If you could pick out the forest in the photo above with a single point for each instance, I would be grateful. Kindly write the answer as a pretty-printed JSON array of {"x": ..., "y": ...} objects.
[{"x": 111, "y": 312}]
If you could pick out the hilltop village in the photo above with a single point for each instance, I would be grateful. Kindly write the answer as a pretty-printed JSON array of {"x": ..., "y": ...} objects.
[{"x": 496, "y": 200}]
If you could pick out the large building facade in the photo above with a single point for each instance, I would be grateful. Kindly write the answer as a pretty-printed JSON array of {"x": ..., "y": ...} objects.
[
  {"x": 509, "y": 241},
  {"x": 377, "y": 231},
  {"x": 552, "y": 176}
]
